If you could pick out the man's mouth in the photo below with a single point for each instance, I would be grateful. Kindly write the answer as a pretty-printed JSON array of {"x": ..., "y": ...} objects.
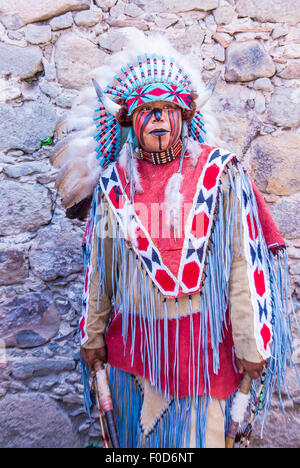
[{"x": 159, "y": 131}]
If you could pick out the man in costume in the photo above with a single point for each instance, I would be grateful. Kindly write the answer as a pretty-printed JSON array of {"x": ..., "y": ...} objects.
[{"x": 181, "y": 297}]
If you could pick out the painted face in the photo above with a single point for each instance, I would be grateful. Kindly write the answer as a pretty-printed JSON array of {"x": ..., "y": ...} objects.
[{"x": 157, "y": 125}]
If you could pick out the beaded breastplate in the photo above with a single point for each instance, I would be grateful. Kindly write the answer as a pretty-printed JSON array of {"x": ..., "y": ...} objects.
[{"x": 163, "y": 157}]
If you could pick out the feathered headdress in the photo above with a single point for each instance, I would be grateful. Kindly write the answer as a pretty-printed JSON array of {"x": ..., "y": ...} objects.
[{"x": 149, "y": 69}]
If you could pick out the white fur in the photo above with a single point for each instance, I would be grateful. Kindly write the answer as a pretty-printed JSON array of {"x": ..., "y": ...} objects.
[
  {"x": 130, "y": 224},
  {"x": 194, "y": 150},
  {"x": 239, "y": 406},
  {"x": 136, "y": 177},
  {"x": 173, "y": 200},
  {"x": 124, "y": 156}
]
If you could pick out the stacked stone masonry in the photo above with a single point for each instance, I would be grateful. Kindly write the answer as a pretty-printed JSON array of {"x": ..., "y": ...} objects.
[{"x": 47, "y": 49}]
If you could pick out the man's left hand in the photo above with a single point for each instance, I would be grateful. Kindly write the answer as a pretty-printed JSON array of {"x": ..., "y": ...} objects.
[{"x": 252, "y": 368}]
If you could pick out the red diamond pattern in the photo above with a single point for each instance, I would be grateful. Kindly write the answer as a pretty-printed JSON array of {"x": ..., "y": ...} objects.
[
  {"x": 259, "y": 280},
  {"x": 266, "y": 335},
  {"x": 200, "y": 225},
  {"x": 253, "y": 235},
  {"x": 165, "y": 280},
  {"x": 190, "y": 274},
  {"x": 210, "y": 177}
]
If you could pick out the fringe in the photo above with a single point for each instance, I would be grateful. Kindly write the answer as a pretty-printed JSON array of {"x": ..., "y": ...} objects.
[
  {"x": 285, "y": 326},
  {"x": 127, "y": 399},
  {"x": 171, "y": 428},
  {"x": 214, "y": 299}
]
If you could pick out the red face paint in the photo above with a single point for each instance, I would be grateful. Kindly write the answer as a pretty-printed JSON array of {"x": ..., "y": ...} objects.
[{"x": 157, "y": 126}]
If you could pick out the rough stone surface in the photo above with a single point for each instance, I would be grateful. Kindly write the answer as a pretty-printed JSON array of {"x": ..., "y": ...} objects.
[
  {"x": 16, "y": 13},
  {"x": 88, "y": 18},
  {"x": 13, "y": 265},
  {"x": 224, "y": 14},
  {"x": 111, "y": 41},
  {"x": 41, "y": 368},
  {"x": 284, "y": 108},
  {"x": 55, "y": 253},
  {"x": 246, "y": 61},
  {"x": 266, "y": 10},
  {"x": 24, "y": 127},
  {"x": 275, "y": 164},
  {"x": 28, "y": 321},
  {"x": 24, "y": 169},
  {"x": 238, "y": 121},
  {"x": 291, "y": 71},
  {"x": 20, "y": 62},
  {"x": 286, "y": 212},
  {"x": 35, "y": 421},
  {"x": 23, "y": 207},
  {"x": 75, "y": 57},
  {"x": 38, "y": 34},
  {"x": 177, "y": 6}
]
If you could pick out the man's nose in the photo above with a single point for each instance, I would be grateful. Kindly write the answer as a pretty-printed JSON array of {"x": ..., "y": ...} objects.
[{"x": 157, "y": 113}]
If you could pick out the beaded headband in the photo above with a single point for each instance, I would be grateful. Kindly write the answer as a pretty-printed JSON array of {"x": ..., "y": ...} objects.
[{"x": 140, "y": 86}]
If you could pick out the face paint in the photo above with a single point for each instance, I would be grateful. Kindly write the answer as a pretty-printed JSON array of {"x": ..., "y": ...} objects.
[{"x": 157, "y": 126}]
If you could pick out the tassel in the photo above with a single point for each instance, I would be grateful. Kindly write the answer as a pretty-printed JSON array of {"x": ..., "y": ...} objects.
[
  {"x": 194, "y": 150},
  {"x": 136, "y": 177},
  {"x": 130, "y": 224},
  {"x": 124, "y": 156},
  {"x": 173, "y": 201}
]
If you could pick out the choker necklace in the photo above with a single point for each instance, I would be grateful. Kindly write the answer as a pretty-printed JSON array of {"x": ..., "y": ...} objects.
[{"x": 163, "y": 157}]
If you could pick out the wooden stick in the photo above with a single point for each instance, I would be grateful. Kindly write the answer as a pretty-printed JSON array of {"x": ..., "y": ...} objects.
[
  {"x": 106, "y": 402},
  {"x": 100, "y": 417}
]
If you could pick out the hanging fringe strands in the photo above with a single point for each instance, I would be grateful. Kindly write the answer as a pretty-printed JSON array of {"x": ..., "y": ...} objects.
[
  {"x": 213, "y": 298},
  {"x": 179, "y": 350},
  {"x": 150, "y": 337},
  {"x": 171, "y": 428}
]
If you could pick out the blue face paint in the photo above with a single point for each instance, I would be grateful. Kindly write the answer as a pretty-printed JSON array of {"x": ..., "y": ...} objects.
[{"x": 157, "y": 113}]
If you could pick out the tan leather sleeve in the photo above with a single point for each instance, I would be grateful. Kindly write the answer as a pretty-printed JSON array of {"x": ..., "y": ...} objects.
[
  {"x": 242, "y": 318},
  {"x": 99, "y": 305}
]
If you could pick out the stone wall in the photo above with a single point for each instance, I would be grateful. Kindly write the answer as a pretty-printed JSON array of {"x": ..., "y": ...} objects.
[{"x": 46, "y": 51}]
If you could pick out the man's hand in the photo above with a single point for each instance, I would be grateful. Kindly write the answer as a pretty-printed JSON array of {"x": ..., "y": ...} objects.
[
  {"x": 252, "y": 368},
  {"x": 91, "y": 356}
]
